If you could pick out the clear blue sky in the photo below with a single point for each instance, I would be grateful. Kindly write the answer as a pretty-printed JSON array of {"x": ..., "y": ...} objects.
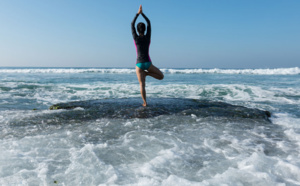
[{"x": 185, "y": 34}]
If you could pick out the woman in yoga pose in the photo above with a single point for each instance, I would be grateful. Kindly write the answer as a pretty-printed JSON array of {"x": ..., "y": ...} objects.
[{"x": 144, "y": 66}]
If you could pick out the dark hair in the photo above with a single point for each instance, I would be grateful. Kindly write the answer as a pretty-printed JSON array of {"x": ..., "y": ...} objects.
[{"x": 141, "y": 28}]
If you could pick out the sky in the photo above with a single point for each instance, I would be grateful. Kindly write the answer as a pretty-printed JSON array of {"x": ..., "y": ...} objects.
[{"x": 185, "y": 34}]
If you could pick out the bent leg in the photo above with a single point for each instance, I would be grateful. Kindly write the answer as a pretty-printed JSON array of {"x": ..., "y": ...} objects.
[
  {"x": 141, "y": 75},
  {"x": 153, "y": 71}
]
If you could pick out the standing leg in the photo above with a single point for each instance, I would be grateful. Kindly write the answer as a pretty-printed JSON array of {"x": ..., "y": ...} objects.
[
  {"x": 141, "y": 75},
  {"x": 153, "y": 71}
]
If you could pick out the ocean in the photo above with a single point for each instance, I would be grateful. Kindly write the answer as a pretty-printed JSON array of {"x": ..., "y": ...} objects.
[{"x": 119, "y": 142}]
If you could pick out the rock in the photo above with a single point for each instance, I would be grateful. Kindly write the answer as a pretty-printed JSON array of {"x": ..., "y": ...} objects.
[{"x": 132, "y": 108}]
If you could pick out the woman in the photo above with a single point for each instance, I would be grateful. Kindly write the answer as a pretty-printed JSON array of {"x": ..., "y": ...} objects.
[{"x": 144, "y": 66}]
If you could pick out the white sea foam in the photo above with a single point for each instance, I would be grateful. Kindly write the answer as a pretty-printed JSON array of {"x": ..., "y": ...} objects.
[
  {"x": 206, "y": 153},
  {"x": 267, "y": 71},
  {"x": 245, "y": 94},
  {"x": 38, "y": 147},
  {"x": 257, "y": 169},
  {"x": 68, "y": 70},
  {"x": 291, "y": 126},
  {"x": 275, "y": 71},
  {"x": 248, "y": 95}
]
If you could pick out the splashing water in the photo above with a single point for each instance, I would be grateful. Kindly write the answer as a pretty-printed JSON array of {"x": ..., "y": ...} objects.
[{"x": 39, "y": 146}]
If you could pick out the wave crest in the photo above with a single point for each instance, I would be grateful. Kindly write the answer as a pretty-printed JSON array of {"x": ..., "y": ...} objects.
[{"x": 268, "y": 71}]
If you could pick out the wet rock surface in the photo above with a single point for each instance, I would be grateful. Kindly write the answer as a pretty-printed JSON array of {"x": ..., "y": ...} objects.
[{"x": 132, "y": 108}]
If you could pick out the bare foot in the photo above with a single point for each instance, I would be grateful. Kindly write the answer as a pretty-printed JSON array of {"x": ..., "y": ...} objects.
[{"x": 145, "y": 104}]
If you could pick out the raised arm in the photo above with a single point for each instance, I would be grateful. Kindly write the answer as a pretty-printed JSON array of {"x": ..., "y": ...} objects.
[
  {"x": 133, "y": 31},
  {"x": 148, "y": 25}
]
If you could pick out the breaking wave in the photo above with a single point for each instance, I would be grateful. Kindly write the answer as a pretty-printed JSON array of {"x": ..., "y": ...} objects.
[{"x": 267, "y": 71}]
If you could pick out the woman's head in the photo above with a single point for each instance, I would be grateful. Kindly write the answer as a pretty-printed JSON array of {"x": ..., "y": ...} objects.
[{"x": 141, "y": 28}]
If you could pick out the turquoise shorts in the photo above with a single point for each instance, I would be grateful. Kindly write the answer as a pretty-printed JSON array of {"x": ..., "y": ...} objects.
[{"x": 144, "y": 65}]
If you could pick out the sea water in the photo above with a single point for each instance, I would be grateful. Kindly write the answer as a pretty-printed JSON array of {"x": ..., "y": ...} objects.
[{"x": 39, "y": 149}]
